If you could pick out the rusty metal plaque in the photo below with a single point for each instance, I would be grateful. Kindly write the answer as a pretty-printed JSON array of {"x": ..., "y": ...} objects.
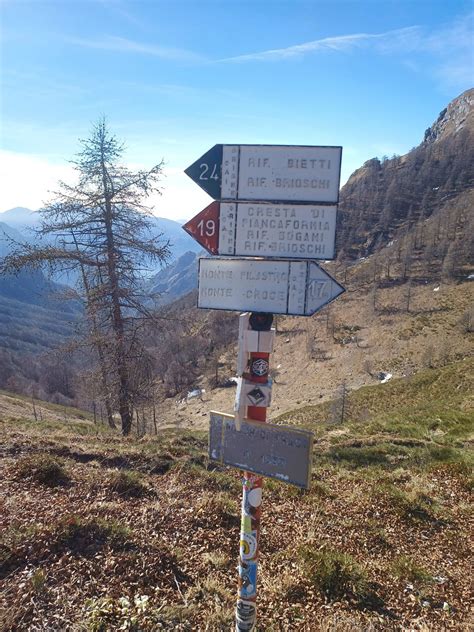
[{"x": 280, "y": 452}]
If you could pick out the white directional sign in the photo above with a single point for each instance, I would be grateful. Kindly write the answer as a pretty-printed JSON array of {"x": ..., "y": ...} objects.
[
  {"x": 297, "y": 231},
  {"x": 298, "y": 288},
  {"x": 274, "y": 173}
]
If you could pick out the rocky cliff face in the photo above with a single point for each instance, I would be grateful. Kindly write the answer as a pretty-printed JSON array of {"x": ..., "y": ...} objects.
[
  {"x": 384, "y": 196},
  {"x": 457, "y": 116}
]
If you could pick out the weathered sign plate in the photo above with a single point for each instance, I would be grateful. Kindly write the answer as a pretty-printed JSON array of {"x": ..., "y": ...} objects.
[
  {"x": 297, "y": 231},
  {"x": 280, "y": 452},
  {"x": 274, "y": 173},
  {"x": 279, "y": 286}
]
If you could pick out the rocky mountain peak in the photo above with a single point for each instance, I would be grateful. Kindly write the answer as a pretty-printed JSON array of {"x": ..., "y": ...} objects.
[{"x": 458, "y": 115}]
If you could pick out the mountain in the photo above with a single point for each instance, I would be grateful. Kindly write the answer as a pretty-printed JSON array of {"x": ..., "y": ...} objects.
[
  {"x": 20, "y": 218},
  {"x": 33, "y": 288},
  {"x": 8, "y": 233},
  {"x": 35, "y": 316},
  {"x": 386, "y": 197},
  {"x": 177, "y": 279},
  {"x": 405, "y": 234},
  {"x": 180, "y": 241}
]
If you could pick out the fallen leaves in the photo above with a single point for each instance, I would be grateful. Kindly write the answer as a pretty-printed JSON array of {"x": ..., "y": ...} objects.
[{"x": 87, "y": 554}]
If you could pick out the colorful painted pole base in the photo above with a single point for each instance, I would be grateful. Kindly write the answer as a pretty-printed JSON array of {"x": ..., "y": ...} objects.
[
  {"x": 245, "y": 616},
  {"x": 249, "y": 534}
]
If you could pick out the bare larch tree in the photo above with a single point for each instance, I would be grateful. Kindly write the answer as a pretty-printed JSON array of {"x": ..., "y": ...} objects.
[{"x": 99, "y": 229}]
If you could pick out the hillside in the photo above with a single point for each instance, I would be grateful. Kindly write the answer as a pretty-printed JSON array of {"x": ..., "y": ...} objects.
[
  {"x": 36, "y": 316},
  {"x": 176, "y": 280},
  {"x": 386, "y": 197},
  {"x": 366, "y": 331},
  {"x": 379, "y": 542},
  {"x": 7, "y": 233}
]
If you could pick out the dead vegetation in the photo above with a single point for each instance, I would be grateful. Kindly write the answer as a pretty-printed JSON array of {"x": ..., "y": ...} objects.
[{"x": 144, "y": 535}]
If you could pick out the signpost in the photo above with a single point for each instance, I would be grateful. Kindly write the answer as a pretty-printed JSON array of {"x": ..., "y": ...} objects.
[
  {"x": 276, "y": 209},
  {"x": 298, "y": 288},
  {"x": 280, "y": 452},
  {"x": 296, "y": 231},
  {"x": 273, "y": 173}
]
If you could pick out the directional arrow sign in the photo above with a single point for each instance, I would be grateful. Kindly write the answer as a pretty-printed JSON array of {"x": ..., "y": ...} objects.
[
  {"x": 279, "y": 286},
  {"x": 280, "y": 452},
  {"x": 273, "y": 173},
  {"x": 297, "y": 231}
]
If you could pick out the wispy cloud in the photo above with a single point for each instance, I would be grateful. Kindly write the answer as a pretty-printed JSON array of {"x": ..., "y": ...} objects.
[
  {"x": 406, "y": 38},
  {"x": 117, "y": 7},
  {"x": 445, "y": 53},
  {"x": 123, "y": 45}
]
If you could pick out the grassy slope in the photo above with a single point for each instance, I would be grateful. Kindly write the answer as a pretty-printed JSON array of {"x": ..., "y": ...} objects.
[
  {"x": 380, "y": 539},
  {"x": 434, "y": 404}
]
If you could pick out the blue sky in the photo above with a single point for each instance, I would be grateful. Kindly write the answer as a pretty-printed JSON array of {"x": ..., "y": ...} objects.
[{"x": 175, "y": 77}]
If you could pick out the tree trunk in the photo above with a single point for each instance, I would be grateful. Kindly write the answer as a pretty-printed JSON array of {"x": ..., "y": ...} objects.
[
  {"x": 91, "y": 313},
  {"x": 124, "y": 398}
]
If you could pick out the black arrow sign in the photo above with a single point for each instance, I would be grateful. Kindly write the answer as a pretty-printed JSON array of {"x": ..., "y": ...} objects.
[{"x": 207, "y": 172}]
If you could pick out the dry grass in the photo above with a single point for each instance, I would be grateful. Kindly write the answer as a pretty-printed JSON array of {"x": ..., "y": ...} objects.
[{"x": 145, "y": 534}]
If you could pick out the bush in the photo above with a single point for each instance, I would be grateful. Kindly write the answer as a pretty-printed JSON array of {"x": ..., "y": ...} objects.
[
  {"x": 334, "y": 573},
  {"x": 87, "y": 535},
  {"x": 43, "y": 469},
  {"x": 128, "y": 484},
  {"x": 405, "y": 568},
  {"x": 413, "y": 505}
]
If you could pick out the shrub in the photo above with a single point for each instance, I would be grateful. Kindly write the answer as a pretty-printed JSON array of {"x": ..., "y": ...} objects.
[
  {"x": 413, "y": 505},
  {"x": 43, "y": 469},
  {"x": 87, "y": 535},
  {"x": 128, "y": 484},
  {"x": 406, "y": 568},
  {"x": 334, "y": 573}
]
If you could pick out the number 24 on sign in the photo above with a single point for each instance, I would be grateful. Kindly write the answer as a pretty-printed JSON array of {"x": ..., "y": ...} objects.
[{"x": 204, "y": 175}]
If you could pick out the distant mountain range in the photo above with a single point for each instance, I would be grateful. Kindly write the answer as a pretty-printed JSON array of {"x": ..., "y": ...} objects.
[
  {"x": 177, "y": 279},
  {"x": 34, "y": 314},
  {"x": 7, "y": 235},
  {"x": 20, "y": 219}
]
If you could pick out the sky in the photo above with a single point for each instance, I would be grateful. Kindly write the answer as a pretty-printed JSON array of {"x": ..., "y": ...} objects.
[{"x": 175, "y": 77}]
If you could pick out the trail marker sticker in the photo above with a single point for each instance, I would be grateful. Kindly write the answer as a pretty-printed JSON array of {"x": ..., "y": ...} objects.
[
  {"x": 281, "y": 173},
  {"x": 296, "y": 231},
  {"x": 280, "y": 452},
  {"x": 299, "y": 288}
]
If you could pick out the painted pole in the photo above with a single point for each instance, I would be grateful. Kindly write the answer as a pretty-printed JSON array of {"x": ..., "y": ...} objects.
[{"x": 257, "y": 372}]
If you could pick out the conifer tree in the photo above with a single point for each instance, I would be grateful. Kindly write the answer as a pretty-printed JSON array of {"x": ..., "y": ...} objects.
[{"x": 100, "y": 229}]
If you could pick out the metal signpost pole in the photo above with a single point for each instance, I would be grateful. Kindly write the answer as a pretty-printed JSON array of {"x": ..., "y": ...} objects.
[{"x": 252, "y": 484}]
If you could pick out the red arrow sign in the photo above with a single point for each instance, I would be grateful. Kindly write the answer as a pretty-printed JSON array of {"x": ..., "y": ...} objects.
[
  {"x": 204, "y": 228},
  {"x": 254, "y": 229}
]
